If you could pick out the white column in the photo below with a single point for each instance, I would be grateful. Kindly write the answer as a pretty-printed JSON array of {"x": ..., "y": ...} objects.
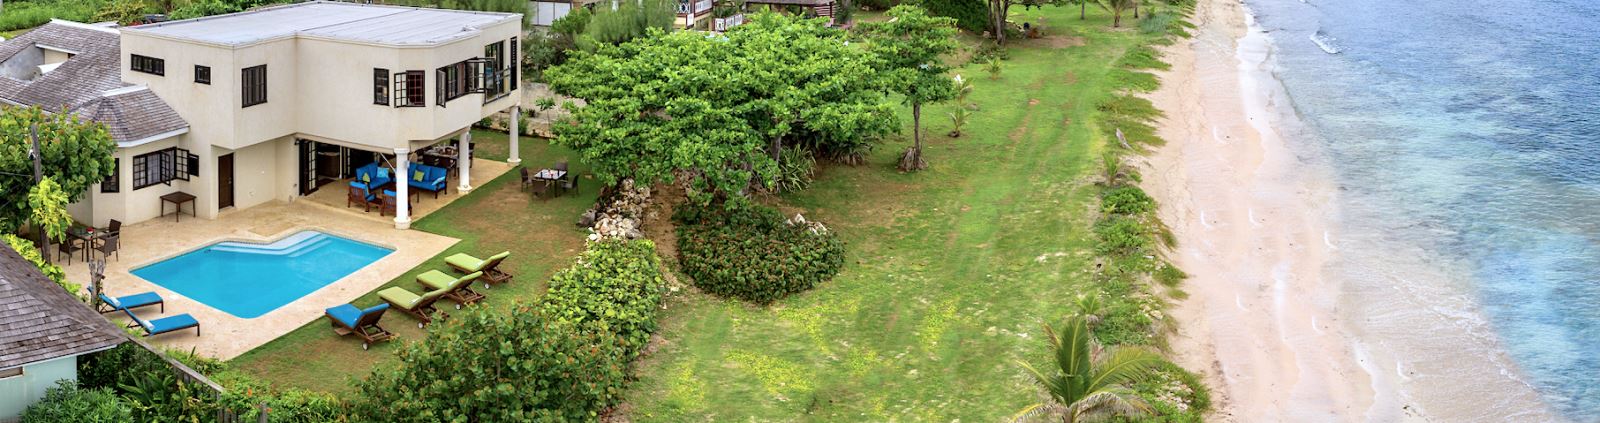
[
  {"x": 402, "y": 208},
  {"x": 465, "y": 163},
  {"x": 516, "y": 116}
]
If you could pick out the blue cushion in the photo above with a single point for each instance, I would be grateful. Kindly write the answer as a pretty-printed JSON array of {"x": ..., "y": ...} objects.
[
  {"x": 376, "y": 308},
  {"x": 111, "y": 301},
  {"x": 345, "y": 314},
  {"x": 139, "y": 300},
  {"x": 168, "y": 324}
]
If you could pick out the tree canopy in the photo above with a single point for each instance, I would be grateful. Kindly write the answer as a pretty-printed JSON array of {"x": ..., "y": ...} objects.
[
  {"x": 76, "y": 155},
  {"x": 910, "y": 47},
  {"x": 704, "y": 107}
]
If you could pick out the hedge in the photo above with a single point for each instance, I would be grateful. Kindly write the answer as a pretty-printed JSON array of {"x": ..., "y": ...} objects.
[
  {"x": 615, "y": 285},
  {"x": 970, "y": 15},
  {"x": 752, "y": 253}
]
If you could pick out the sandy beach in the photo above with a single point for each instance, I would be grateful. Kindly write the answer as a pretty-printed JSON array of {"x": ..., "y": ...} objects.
[{"x": 1262, "y": 320}]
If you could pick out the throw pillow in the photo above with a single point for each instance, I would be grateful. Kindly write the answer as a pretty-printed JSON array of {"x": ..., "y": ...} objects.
[{"x": 418, "y": 175}]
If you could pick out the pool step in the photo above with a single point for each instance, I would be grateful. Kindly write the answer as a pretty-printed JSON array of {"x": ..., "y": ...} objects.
[{"x": 292, "y": 245}]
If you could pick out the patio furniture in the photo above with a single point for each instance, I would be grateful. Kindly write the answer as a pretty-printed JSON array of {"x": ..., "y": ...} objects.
[
  {"x": 550, "y": 177},
  {"x": 347, "y": 319},
  {"x": 80, "y": 238},
  {"x": 428, "y": 178},
  {"x": 359, "y": 194},
  {"x": 459, "y": 289},
  {"x": 526, "y": 179},
  {"x": 177, "y": 199},
  {"x": 127, "y": 302},
  {"x": 108, "y": 246},
  {"x": 569, "y": 183},
  {"x": 68, "y": 248},
  {"x": 490, "y": 267},
  {"x": 418, "y": 306},
  {"x": 115, "y": 228},
  {"x": 389, "y": 205},
  {"x": 164, "y": 324},
  {"x": 373, "y": 175}
]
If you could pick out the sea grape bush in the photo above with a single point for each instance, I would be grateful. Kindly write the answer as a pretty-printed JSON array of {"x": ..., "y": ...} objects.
[
  {"x": 615, "y": 285},
  {"x": 1127, "y": 199},
  {"x": 498, "y": 366},
  {"x": 752, "y": 253},
  {"x": 66, "y": 402}
]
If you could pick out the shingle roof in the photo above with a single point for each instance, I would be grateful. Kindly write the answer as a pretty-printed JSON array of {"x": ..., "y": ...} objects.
[
  {"x": 79, "y": 85},
  {"x": 40, "y": 321}
]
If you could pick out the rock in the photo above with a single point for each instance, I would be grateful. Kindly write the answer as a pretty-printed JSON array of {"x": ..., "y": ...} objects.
[{"x": 587, "y": 219}]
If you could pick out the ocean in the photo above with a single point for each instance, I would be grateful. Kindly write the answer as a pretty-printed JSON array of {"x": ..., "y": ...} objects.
[{"x": 1464, "y": 142}]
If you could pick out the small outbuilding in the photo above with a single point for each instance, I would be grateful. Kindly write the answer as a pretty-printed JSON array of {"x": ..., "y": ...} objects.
[{"x": 43, "y": 330}]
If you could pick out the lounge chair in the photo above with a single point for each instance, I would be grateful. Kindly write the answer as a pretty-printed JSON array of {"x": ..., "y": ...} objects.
[
  {"x": 164, "y": 324},
  {"x": 458, "y": 289},
  {"x": 418, "y": 306},
  {"x": 348, "y": 319},
  {"x": 110, "y": 304},
  {"x": 490, "y": 267}
]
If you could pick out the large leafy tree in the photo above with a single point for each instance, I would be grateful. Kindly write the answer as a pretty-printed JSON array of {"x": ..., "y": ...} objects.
[
  {"x": 910, "y": 46},
  {"x": 1087, "y": 383},
  {"x": 718, "y": 110},
  {"x": 76, "y": 155},
  {"x": 1000, "y": 9}
]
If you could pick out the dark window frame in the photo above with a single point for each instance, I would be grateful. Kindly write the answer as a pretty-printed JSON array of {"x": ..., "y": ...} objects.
[
  {"x": 253, "y": 88},
  {"x": 410, "y": 89},
  {"x": 113, "y": 184},
  {"x": 202, "y": 74},
  {"x": 515, "y": 65},
  {"x": 147, "y": 64},
  {"x": 172, "y": 164},
  {"x": 380, "y": 86}
]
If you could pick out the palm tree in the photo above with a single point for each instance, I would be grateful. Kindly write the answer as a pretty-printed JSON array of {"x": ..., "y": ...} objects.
[
  {"x": 1089, "y": 384},
  {"x": 1116, "y": 7}
]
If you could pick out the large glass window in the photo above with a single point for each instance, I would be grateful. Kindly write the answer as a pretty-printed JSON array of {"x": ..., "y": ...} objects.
[
  {"x": 494, "y": 71},
  {"x": 163, "y": 167},
  {"x": 408, "y": 89},
  {"x": 254, "y": 85}
]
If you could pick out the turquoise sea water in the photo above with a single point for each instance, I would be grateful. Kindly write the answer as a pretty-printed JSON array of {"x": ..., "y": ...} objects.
[
  {"x": 248, "y": 280},
  {"x": 1464, "y": 137}
]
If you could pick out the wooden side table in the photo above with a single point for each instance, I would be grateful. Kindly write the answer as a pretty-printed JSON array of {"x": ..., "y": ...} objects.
[{"x": 177, "y": 199}]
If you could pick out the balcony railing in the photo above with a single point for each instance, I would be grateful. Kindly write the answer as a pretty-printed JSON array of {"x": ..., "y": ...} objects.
[
  {"x": 723, "y": 24},
  {"x": 695, "y": 8}
]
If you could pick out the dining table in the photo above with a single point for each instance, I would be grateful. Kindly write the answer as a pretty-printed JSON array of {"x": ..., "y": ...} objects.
[{"x": 87, "y": 234}]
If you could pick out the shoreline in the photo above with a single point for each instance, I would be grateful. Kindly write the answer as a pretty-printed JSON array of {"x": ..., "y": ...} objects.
[{"x": 1262, "y": 321}]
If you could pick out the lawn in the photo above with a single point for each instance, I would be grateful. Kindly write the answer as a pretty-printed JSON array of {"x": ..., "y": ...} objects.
[
  {"x": 950, "y": 271},
  {"x": 494, "y": 217},
  {"x": 950, "y": 274}
]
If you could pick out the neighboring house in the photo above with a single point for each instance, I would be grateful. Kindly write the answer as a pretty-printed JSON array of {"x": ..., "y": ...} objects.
[
  {"x": 546, "y": 12},
  {"x": 245, "y": 108},
  {"x": 43, "y": 330}
]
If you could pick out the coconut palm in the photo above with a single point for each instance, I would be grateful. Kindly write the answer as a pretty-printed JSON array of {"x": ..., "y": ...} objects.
[
  {"x": 1116, "y": 7},
  {"x": 1087, "y": 383}
]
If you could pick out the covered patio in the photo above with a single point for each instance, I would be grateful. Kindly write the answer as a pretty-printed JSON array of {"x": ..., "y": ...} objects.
[{"x": 397, "y": 185}]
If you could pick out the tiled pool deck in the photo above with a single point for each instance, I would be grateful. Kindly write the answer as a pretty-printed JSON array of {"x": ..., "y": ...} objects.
[{"x": 224, "y": 336}]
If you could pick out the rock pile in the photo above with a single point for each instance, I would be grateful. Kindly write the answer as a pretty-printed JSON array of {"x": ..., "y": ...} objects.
[
  {"x": 816, "y": 227},
  {"x": 619, "y": 215}
]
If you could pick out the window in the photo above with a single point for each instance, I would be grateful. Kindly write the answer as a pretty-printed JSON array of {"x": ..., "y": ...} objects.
[
  {"x": 113, "y": 183},
  {"x": 513, "y": 64},
  {"x": 148, "y": 65},
  {"x": 10, "y": 373},
  {"x": 202, "y": 74},
  {"x": 408, "y": 89},
  {"x": 380, "y": 86},
  {"x": 494, "y": 72},
  {"x": 459, "y": 79},
  {"x": 163, "y": 167},
  {"x": 254, "y": 83}
]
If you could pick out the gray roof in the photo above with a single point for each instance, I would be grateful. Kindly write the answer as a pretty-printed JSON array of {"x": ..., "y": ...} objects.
[
  {"x": 391, "y": 25},
  {"x": 80, "y": 84},
  {"x": 40, "y": 321}
]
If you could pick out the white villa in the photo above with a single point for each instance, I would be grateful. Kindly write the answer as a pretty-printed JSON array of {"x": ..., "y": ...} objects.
[{"x": 238, "y": 110}]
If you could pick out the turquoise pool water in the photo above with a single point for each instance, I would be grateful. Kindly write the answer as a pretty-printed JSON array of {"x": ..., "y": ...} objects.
[{"x": 248, "y": 280}]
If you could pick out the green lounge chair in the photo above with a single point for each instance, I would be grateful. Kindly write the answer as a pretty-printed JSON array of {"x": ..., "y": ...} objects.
[
  {"x": 418, "y": 306},
  {"x": 457, "y": 289},
  {"x": 490, "y": 267}
]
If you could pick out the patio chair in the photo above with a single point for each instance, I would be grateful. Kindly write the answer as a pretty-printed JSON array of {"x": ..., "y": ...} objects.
[
  {"x": 164, "y": 324},
  {"x": 527, "y": 179},
  {"x": 561, "y": 166},
  {"x": 459, "y": 289},
  {"x": 418, "y": 306},
  {"x": 490, "y": 267},
  {"x": 568, "y": 182},
  {"x": 359, "y": 194},
  {"x": 347, "y": 319},
  {"x": 109, "y": 304},
  {"x": 388, "y": 204},
  {"x": 68, "y": 248},
  {"x": 108, "y": 246},
  {"x": 115, "y": 228}
]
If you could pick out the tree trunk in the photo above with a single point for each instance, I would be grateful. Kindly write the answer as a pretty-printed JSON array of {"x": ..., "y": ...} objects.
[
  {"x": 776, "y": 148},
  {"x": 38, "y": 176},
  {"x": 1116, "y": 19},
  {"x": 999, "y": 11},
  {"x": 1083, "y": 10},
  {"x": 1136, "y": 9},
  {"x": 912, "y": 160}
]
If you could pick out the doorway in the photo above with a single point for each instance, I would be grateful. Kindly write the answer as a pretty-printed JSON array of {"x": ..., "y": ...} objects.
[{"x": 225, "y": 181}]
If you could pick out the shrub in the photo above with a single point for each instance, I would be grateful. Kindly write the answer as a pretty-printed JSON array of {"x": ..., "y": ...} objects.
[
  {"x": 65, "y": 402},
  {"x": 492, "y": 365},
  {"x": 795, "y": 168},
  {"x": 971, "y": 16},
  {"x": 29, "y": 14},
  {"x": 1129, "y": 200},
  {"x": 201, "y": 8},
  {"x": 1122, "y": 236},
  {"x": 615, "y": 285},
  {"x": 752, "y": 253},
  {"x": 879, "y": 5}
]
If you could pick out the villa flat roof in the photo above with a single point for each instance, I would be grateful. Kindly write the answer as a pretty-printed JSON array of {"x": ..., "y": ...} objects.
[{"x": 393, "y": 25}]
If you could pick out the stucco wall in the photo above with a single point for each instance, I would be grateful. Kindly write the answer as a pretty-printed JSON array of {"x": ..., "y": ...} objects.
[
  {"x": 16, "y": 393},
  {"x": 134, "y": 206},
  {"x": 256, "y": 173}
]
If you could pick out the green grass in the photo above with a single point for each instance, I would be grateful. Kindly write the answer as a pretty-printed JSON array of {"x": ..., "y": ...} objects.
[
  {"x": 951, "y": 271},
  {"x": 494, "y": 217}
]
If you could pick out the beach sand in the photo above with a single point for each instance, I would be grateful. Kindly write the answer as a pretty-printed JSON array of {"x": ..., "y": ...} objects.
[{"x": 1261, "y": 321}]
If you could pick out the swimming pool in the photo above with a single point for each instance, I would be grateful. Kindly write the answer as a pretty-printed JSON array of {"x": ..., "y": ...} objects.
[{"x": 248, "y": 280}]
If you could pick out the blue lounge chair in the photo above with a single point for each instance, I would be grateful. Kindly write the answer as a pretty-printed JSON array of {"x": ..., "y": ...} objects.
[
  {"x": 110, "y": 304},
  {"x": 164, "y": 324},
  {"x": 348, "y": 319}
]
